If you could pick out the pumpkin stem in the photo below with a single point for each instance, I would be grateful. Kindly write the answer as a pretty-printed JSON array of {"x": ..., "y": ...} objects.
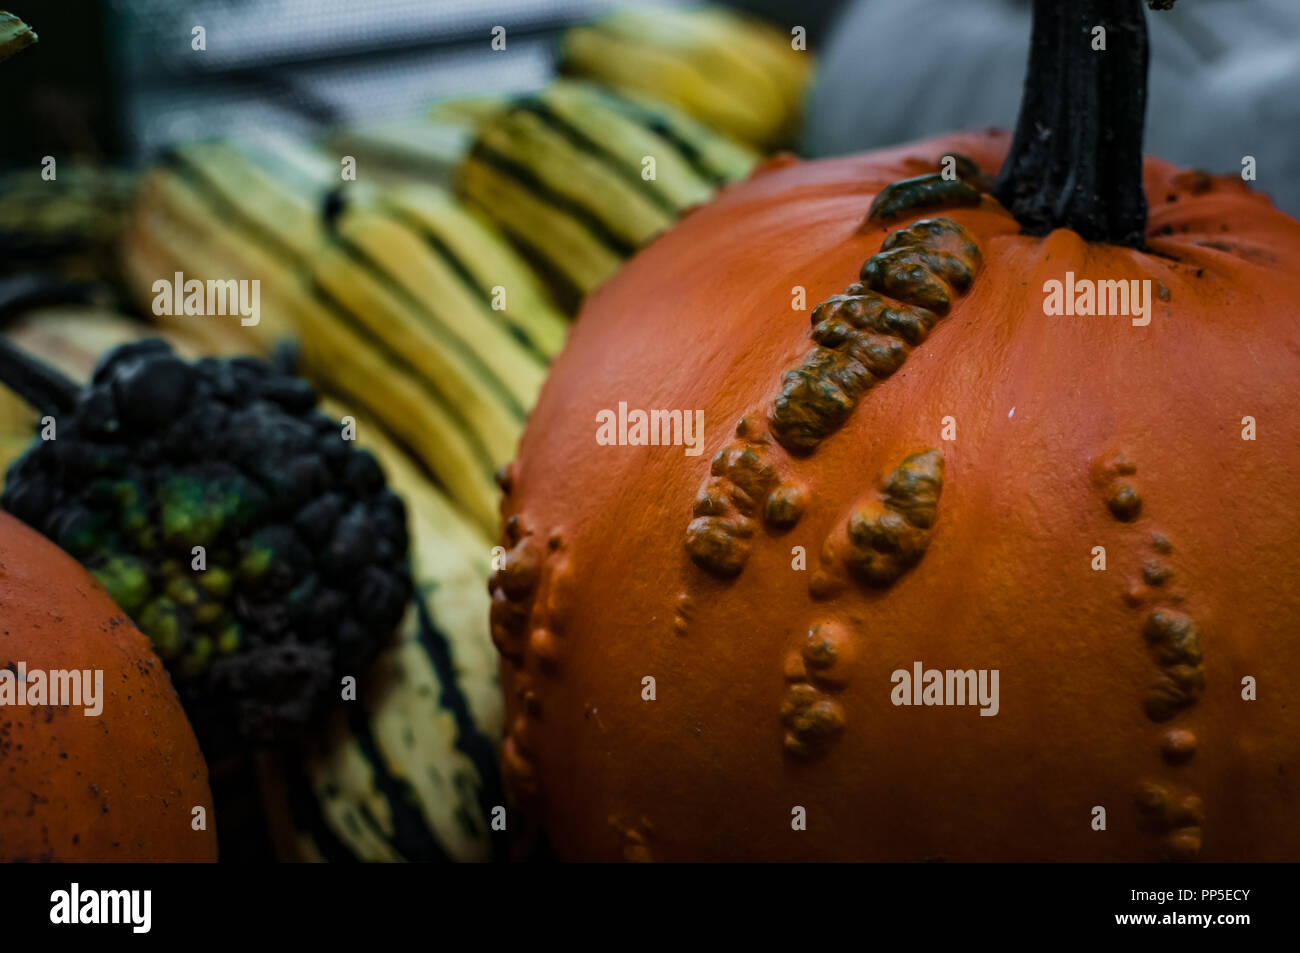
[
  {"x": 1076, "y": 158},
  {"x": 46, "y": 389}
]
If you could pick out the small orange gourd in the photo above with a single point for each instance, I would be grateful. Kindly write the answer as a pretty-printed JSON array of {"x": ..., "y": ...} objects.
[{"x": 120, "y": 785}]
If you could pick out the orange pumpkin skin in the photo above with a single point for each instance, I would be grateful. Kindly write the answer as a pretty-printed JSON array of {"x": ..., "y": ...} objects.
[
  {"x": 119, "y": 786},
  {"x": 599, "y": 591}
]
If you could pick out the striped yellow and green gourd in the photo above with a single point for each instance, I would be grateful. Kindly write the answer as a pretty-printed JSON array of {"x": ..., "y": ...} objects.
[
  {"x": 390, "y": 298},
  {"x": 739, "y": 74},
  {"x": 567, "y": 174}
]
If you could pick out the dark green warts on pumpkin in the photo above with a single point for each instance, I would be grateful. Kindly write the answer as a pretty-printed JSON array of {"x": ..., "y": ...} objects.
[
  {"x": 862, "y": 336},
  {"x": 865, "y": 334},
  {"x": 259, "y": 551},
  {"x": 1175, "y": 642},
  {"x": 885, "y": 536},
  {"x": 812, "y": 716},
  {"x": 740, "y": 489},
  {"x": 1175, "y": 815},
  {"x": 919, "y": 193}
]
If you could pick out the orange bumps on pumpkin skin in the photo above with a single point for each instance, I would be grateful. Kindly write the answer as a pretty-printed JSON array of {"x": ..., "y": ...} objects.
[{"x": 119, "y": 786}]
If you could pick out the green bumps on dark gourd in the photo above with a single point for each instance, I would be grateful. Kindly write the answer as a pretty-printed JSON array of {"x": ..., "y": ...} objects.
[{"x": 302, "y": 575}]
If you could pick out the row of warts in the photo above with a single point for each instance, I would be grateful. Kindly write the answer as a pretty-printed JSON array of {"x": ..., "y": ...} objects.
[
  {"x": 862, "y": 337},
  {"x": 530, "y": 590},
  {"x": 881, "y": 539},
  {"x": 1166, "y": 810}
]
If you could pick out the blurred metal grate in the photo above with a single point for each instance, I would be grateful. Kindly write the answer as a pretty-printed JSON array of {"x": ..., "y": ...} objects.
[
  {"x": 301, "y": 65},
  {"x": 245, "y": 33},
  {"x": 120, "y": 78}
]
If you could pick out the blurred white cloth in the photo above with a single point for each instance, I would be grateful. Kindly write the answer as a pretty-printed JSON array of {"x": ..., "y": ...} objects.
[{"x": 1224, "y": 80}]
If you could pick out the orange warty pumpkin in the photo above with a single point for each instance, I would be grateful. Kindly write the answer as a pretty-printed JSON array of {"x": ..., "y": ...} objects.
[
  {"x": 1099, "y": 508},
  {"x": 118, "y": 786}
]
